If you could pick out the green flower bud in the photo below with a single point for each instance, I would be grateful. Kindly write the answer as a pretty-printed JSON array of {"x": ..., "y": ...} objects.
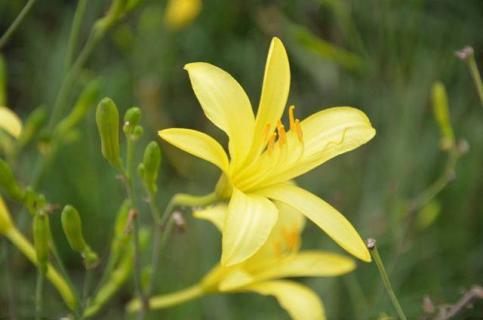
[
  {"x": 91, "y": 259},
  {"x": 132, "y": 117},
  {"x": 441, "y": 113},
  {"x": 137, "y": 132},
  {"x": 72, "y": 225},
  {"x": 5, "y": 220},
  {"x": 41, "y": 232},
  {"x": 86, "y": 100},
  {"x": 149, "y": 169},
  {"x": 35, "y": 121},
  {"x": 8, "y": 184},
  {"x": 107, "y": 118}
]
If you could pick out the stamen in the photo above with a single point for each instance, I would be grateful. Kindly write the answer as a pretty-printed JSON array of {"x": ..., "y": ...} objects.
[
  {"x": 298, "y": 131},
  {"x": 266, "y": 132},
  {"x": 291, "y": 117},
  {"x": 282, "y": 136},
  {"x": 271, "y": 143}
]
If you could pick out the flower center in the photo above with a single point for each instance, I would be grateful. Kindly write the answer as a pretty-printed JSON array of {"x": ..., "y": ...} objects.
[{"x": 281, "y": 134}]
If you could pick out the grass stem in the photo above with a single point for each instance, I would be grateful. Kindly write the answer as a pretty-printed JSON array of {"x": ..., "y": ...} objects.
[{"x": 16, "y": 23}]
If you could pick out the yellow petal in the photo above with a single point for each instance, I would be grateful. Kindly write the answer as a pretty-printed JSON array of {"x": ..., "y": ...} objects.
[
  {"x": 226, "y": 104},
  {"x": 299, "y": 301},
  {"x": 309, "y": 264},
  {"x": 10, "y": 122},
  {"x": 322, "y": 214},
  {"x": 234, "y": 280},
  {"x": 198, "y": 144},
  {"x": 283, "y": 240},
  {"x": 276, "y": 86},
  {"x": 326, "y": 134},
  {"x": 215, "y": 214},
  {"x": 247, "y": 226}
]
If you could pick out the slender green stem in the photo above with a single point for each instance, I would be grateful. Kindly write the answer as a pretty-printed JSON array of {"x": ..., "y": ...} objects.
[
  {"x": 89, "y": 275},
  {"x": 55, "y": 278},
  {"x": 75, "y": 31},
  {"x": 439, "y": 184},
  {"x": 6, "y": 36},
  {"x": 475, "y": 74},
  {"x": 69, "y": 80},
  {"x": 168, "y": 300},
  {"x": 39, "y": 294},
  {"x": 8, "y": 269},
  {"x": 163, "y": 225},
  {"x": 129, "y": 177},
  {"x": 371, "y": 244}
]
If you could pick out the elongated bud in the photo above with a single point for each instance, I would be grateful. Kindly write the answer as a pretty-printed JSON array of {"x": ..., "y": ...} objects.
[
  {"x": 35, "y": 121},
  {"x": 8, "y": 184},
  {"x": 107, "y": 118},
  {"x": 441, "y": 113},
  {"x": 86, "y": 100},
  {"x": 149, "y": 168},
  {"x": 72, "y": 225},
  {"x": 41, "y": 232},
  {"x": 5, "y": 220},
  {"x": 3, "y": 82}
]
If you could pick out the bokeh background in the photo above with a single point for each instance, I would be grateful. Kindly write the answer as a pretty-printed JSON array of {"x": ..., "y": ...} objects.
[{"x": 382, "y": 56}]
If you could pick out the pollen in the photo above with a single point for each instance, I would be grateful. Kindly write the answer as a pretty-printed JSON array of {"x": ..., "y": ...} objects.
[{"x": 282, "y": 135}]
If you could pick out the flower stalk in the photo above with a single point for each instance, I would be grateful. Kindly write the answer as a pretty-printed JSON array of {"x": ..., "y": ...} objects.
[
  {"x": 467, "y": 54},
  {"x": 371, "y": 245}
]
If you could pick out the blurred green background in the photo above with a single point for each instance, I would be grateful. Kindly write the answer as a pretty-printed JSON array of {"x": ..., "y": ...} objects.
[{"x": 379, "y": 55}]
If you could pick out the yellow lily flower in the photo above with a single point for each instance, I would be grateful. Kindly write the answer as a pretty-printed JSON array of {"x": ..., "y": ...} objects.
[
  {"x": 280, "y": 257},
  {"x": 264, "y": 157},
  {"x": 180, "y": 13},
  {"x": 10, "y": 122}
]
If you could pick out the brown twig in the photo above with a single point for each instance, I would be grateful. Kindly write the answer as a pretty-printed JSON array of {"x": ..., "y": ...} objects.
[{"x": 446, "y": 313}]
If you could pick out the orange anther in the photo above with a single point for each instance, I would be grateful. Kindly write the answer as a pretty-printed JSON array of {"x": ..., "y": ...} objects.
[
  {"x": 298, "y": 130},
  {"x": 291, "y": 117},
  {"x": 271, "y": 142},
  {"x": 282, "y": 136}
]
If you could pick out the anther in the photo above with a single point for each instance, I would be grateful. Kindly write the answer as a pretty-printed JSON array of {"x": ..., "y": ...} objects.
[
  {"x": 282, "y": 136},
  {"x": 271, "y": 143},
  {"x": 298, "y": 130},
  {"x": 291, "y": 117}
]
